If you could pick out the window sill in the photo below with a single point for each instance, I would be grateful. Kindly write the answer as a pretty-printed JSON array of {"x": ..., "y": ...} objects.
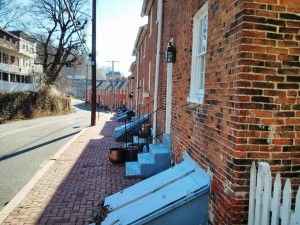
[{"x": 198, "y": 99}]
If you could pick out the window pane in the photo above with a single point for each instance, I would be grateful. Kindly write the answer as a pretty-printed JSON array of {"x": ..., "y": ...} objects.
[
  {"x": 204, "y": 34},
  {"x": 202, "y": 71}
]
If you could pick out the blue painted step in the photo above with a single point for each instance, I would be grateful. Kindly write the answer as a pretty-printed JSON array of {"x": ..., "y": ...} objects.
[{"x": 149, "y": 164}]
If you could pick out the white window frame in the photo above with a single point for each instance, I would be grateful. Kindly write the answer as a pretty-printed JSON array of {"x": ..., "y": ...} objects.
[{"x": 198, "y": 56}]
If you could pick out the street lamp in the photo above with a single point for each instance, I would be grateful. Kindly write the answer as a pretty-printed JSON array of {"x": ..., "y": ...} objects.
[{"x": 170, "y": 54}]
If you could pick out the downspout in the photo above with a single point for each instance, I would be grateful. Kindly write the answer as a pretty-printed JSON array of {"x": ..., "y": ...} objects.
[
  {"x": 158, "y": 46},
  {"x": 137, "y": 80}
]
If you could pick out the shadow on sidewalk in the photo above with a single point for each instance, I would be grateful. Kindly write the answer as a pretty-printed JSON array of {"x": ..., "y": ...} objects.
[
  {"x": 36, "y": 147},
  {"x": 88, "y": 182}
]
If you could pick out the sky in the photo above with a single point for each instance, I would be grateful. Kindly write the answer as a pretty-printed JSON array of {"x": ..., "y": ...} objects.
[{"x": 118, "y": 22}]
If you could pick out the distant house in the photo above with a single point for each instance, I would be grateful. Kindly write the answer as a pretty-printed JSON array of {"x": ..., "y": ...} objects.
[
  {"x": 112, "y": 94},
  {"x": 18, "y": 68},
  {"x": 113, "y": 75},
  {"x": 77, "y": 85},
  {"x": 232, "y": 95}
]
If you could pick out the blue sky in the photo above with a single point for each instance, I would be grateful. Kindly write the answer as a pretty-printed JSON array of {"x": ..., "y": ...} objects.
[{"x": 118, "y": 22}]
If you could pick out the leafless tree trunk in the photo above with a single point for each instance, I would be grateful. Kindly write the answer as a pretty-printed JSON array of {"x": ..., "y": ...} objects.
[{"x": 58, "y": 26}]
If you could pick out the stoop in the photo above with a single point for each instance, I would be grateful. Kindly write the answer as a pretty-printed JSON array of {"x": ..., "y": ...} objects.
[{"x": 149, "y": 164}]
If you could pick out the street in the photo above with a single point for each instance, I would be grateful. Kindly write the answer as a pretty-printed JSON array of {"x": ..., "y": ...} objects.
[{"x": 25, "y": 146}]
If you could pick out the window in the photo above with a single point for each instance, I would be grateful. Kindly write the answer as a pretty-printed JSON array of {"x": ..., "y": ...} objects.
[
  {"x": 5, "y": 58},
  {"x": 199, "y": 55},
  {"x": 4, "y": 37},
  {"x": 10, "y": 42}
]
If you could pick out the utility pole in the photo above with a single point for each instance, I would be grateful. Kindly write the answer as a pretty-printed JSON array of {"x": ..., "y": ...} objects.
[
  {"x": 93, "y": 103},
  {"x": 112, "y": 73},
  {"x": 86, "y": 83}
]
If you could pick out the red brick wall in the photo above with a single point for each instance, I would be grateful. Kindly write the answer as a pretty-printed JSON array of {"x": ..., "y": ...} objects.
[
  {"x": 251, "y": 106},
  {"x": 151, "y": 41}
]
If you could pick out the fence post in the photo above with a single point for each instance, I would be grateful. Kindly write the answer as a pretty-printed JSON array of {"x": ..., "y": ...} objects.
[
  {"x": 285, "y": 210},
  {"x": 261, "y": 175},
  {"x": 275, "y": 206},
  {"x": 295, "y": 216},
  {"x": 266, "y": 195},
  {"x": 252, "y": 194}
]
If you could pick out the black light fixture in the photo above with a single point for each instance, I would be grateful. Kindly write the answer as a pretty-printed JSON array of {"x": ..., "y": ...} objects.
[{"x": 170, "y": 54}]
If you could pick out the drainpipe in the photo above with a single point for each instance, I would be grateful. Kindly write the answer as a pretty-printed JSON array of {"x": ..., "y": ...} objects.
[
  {"x": 158, "y": 46},
  {"x": 137, "y": 81}
]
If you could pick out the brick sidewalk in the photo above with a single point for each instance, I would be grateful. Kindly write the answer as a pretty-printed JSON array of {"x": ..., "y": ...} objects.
[{"x": 70, "y": 191}]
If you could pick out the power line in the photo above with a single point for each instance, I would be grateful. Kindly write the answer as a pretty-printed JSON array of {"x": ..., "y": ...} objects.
[
  {"x": 75, "y": 25},
  {"x": 100, "y": 19}
]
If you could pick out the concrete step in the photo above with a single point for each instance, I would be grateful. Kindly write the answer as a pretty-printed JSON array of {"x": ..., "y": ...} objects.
[
  {"x": 161, "y": 155},
  {"x": 133, "y": 169},
  {"x": 147, "y": 164}
]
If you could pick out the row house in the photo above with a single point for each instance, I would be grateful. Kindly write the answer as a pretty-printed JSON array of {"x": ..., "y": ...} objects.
[
  {"x": 112, "y": 94},
  {"x": 231, "y": 96},
  {"x": 17, "y": 60}
]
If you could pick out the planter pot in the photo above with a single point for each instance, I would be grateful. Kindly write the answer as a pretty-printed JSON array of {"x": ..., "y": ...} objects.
[
  {"x": 117, "y": 155},
  {"x": 131, "y": 153}
]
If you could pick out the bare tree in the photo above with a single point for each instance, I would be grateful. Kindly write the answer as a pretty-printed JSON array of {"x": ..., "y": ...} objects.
[
  {"x": 10, "y": 13},
  {"x": 58, "y": 26}
]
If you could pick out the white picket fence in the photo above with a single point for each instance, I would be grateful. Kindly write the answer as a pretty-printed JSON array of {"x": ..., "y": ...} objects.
[{"x": 262, "y": 205}]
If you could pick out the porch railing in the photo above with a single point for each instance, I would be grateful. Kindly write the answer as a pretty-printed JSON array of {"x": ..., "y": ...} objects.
[{"x": 143, "y": 131}]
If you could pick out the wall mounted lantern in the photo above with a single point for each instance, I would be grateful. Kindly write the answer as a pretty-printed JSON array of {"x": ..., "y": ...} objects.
[{"x": 170, "y": 54}]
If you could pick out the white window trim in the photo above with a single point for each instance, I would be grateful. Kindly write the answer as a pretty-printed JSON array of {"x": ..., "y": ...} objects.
[{"x": 197, "y": 96}]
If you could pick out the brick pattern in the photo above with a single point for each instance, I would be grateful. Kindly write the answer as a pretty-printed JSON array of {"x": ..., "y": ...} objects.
[
  {"x": 149, "y": 57},
  {"x": 79, "y": 180},
  {"x": 252, "y": 95}
]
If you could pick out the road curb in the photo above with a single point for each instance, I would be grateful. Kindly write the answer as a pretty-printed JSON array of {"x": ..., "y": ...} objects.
[{"x": 27, "y": 188}]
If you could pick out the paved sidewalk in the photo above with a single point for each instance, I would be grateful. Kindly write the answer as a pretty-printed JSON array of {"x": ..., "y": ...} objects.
[{"x": 76, "y": 182}]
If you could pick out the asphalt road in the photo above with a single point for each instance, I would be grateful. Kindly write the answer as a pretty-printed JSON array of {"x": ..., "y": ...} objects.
[{"x": 26, "y": 146}]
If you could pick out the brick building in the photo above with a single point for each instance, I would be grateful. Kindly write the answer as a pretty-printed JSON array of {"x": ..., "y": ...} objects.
[
  {"x": 232, "y": 96},
  {"x": 112, "y": 94}
]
